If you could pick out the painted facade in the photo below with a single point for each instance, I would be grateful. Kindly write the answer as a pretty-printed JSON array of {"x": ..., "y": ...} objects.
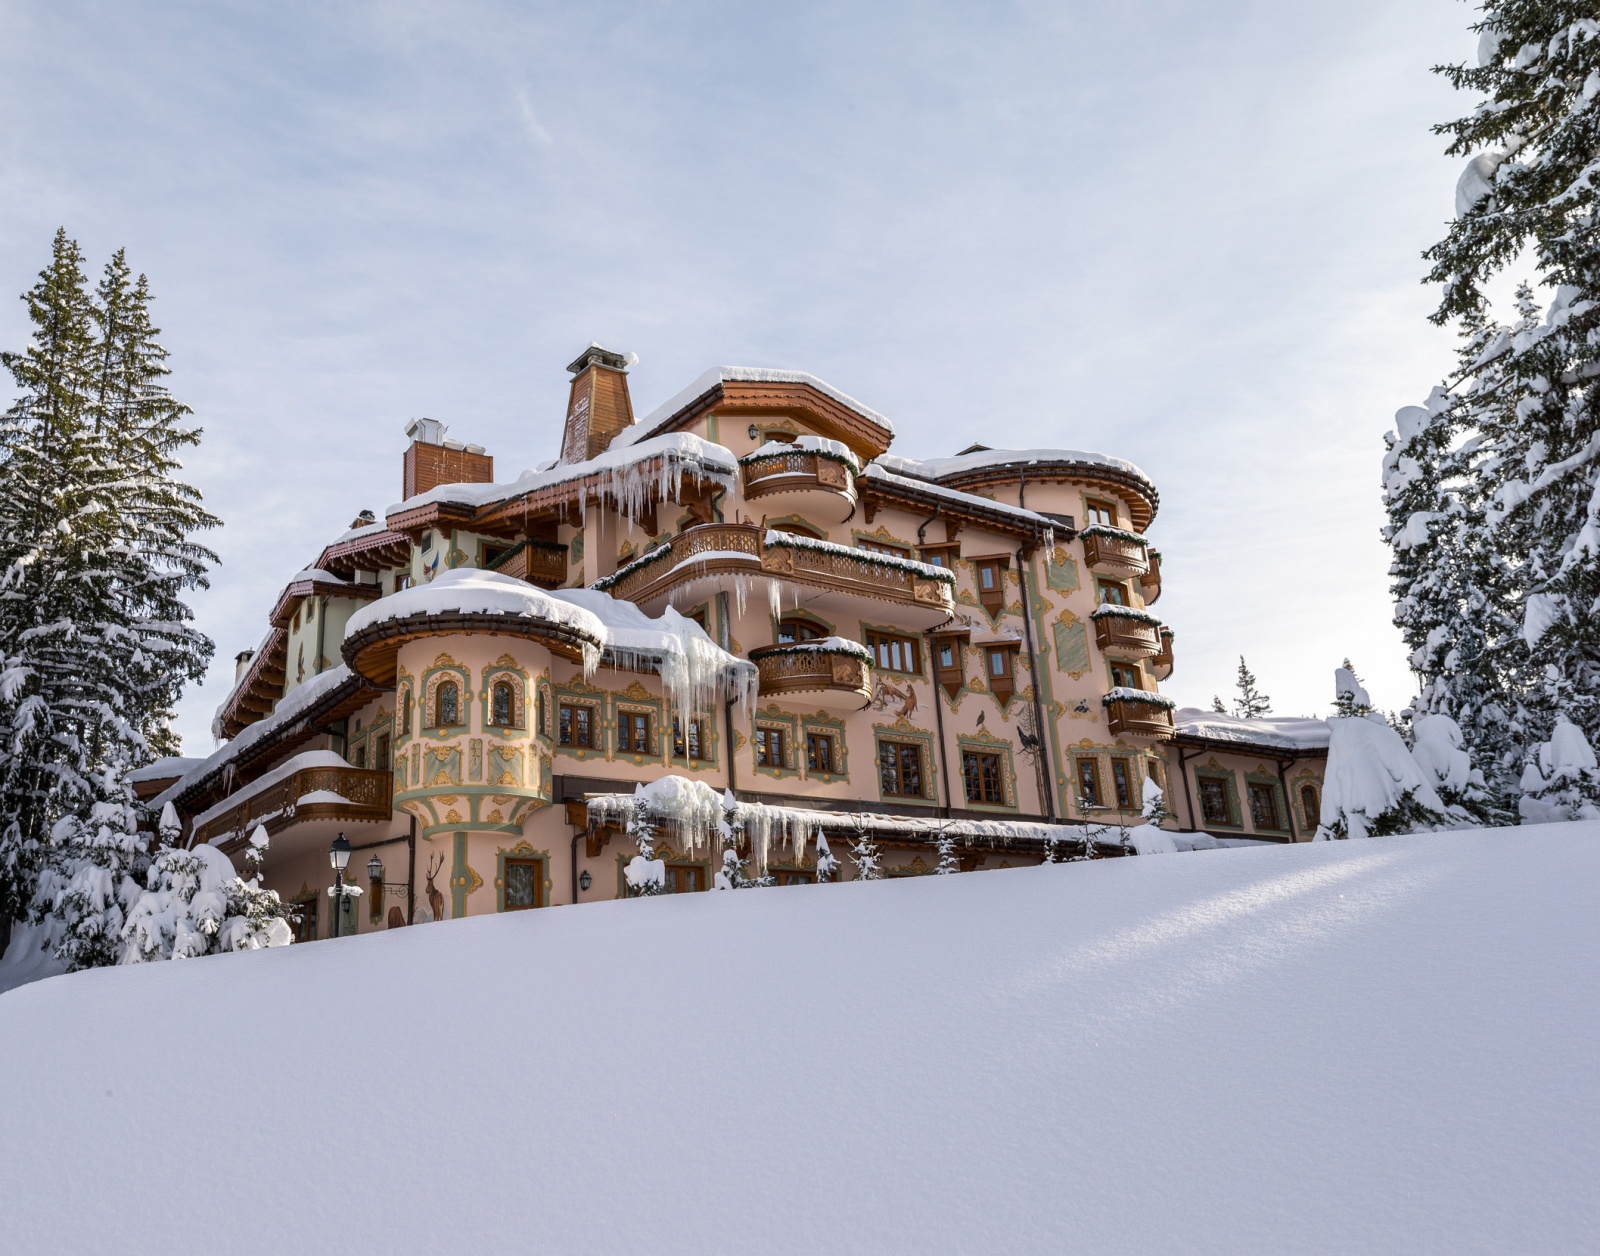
[{"x": 962, "y": 641}]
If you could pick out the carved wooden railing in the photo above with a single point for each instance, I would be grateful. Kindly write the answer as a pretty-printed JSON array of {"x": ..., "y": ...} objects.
[
  {"x": 1163, "y": 661},
  {"x": 1127, "y": 635},
  {"x": 365, "y": 795},
  {"x": 795, "y": 669},
  {"x": 1150, "y": 582},
  {"x": 537, "y": 562},
  {"x": 794, "y": 469},
  {"x": 1118, "y": 553},
  {"x": 1141, "y": 719},
  {"x": 725, "y": 545}
]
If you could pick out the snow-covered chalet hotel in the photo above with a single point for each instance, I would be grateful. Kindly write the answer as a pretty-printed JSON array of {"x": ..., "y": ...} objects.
[{"x": 745, "y": 589}]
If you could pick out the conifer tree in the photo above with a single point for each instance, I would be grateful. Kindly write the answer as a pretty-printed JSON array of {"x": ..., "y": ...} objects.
[
  {"x": 1251, "y": 702},
  {"x": 864, "y": 854},
  {"x": 1498, "y": 551},
  {"x": 945, "y": 844},
  {"x": 827, "y": 862},
  {"x": 1217, "y": 704}
]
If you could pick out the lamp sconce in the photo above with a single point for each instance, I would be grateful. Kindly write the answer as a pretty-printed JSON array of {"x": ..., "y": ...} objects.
[
  {"x": 755, "y": 432},
  {"x": 375, "y": 899},
  {"x": 585, "y": 880}
]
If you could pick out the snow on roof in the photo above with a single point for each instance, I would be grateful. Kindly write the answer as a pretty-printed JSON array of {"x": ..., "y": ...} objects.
[
  {"x": 286, "y": 769},
  {"x": 711, "y": 460},
  {"x": 356, "y": 534},
  {"x": 1285, "y": 732},
  {"x": 667, "y": 410},
  {"x": 879, "y": 471},
  {"x": 316, "y": 575},
  {"x": 471, "y": 591},
  {"x": 943, "y": 468},
  {"x": 163, "y": 769}
]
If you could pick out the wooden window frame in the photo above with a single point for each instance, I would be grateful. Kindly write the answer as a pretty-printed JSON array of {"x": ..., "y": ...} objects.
[
  {"x": 762, "y": 738},
  {"x": 1311, "y": 817},
  {"x": 1093, "y": 797},
  {"x": 813, "y": 737},
  {"x": 993, "y": 598},
  {"x": 952, "y": 677},
  {"x": 627, "y": 732},
  {"x": 680, "y": 869},
  {"x": 1123, "y": 787},
  {"x": 701, "y": 727},
  {"x": 1101, "y": 587},
  {"x": 1004, "y": 684},
  {"x": 382, "y": 753},
  {"x": 537, "y": 863},
  {"x": 894, "y": 786},
  {"x": 975, "y": 767},
  {"x": 912, "y": 645},
  {"x": 807, "y": 622},
  {"x": 563, "y": 724},
  {"x": 942, "y": 556},
  {"x": 1126, "y": 666},
  {"x": 1268, "y": 790},
  {"x": 438, "y": 705},
  {"x": 305, "y": 930},
  {"x": 1105, "y": 504},
  {"x": 874, "y": 546},
  {"x": 1220, "y": 784}
]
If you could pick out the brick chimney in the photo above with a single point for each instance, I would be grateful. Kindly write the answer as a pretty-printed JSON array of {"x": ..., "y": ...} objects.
[
  {"x": 598, "y": 407},
  {"x": 431, "y": 460}
]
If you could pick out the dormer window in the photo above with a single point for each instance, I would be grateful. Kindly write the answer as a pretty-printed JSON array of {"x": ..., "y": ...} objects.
[{"x": 991, "y": 577}]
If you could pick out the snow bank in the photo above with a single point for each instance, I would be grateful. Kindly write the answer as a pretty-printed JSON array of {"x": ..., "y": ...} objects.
[
  {"x": 1346, "y": 1047},
  {"x": 1285, "y": 732},
  {"x": 1370, "y": 773}
]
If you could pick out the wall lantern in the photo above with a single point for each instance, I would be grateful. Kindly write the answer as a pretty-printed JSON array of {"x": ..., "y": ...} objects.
[
  {"x": 755, "y": 432},
  {"x": 375, "y": 896},
  {"x": 585, "y": 880},
  {"x": 374, "y": 869}
]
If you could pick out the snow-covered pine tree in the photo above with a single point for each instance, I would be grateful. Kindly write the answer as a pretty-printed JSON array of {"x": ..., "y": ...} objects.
[
  {"x": 945, "y": 844},
  {"x": 1525, "y": 406},
  {"x": 1218, "y": 705},
  {"x": 196, "y": 904},
  {"x": 864, "y": 854},
  {"x": 1372, "y": 787},
  {"x": 90, "y": 879},
  {"x": 1350, "y": 697},
  {"x": 1154, "y": 803},
  {"x": 1440, "y": 750},
  {"x": 827, "y": 863},
  {"x": 1251, "y": 703},
  {"x": 732, "y": 874},
  {"x": 1562, "y": 778},
  {"x": 644, "y": 874}
]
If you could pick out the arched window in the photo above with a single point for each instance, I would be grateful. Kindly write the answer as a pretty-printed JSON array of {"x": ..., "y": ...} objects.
[
  {"x": 405, "y": 714},
  {"x": 448, "y": 700},
  {"x": 501, "y": 705},
  {"x": 1308, "y": 805},
  {"x": 796, "y": 629}
]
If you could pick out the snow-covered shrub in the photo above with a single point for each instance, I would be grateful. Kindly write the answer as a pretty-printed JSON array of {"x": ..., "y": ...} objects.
[
  {"x": 945, "y": 844},
  {"x": 89, "y": 883},
  {"x": 1562, "y": 779},
  {"x": 196, "y": 904},
  {"x": 732, "y": 875},
  {"x": 827, "y": 864},
  {"x": 1154, "y": 803},
  {"x": 1373, "y": 787},
  {"x": 1440, "y": 750},
  {"x": 864, "y": 854}
]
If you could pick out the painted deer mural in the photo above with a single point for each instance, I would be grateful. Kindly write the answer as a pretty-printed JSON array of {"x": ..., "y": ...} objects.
[{"x": 435, "y": 899}]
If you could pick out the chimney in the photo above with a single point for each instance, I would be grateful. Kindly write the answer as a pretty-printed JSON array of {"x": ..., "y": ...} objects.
[
  {"x": 431, "y": 460},
  {"x": 598, "y": 407},
  {"x": 241, "y": 663}
]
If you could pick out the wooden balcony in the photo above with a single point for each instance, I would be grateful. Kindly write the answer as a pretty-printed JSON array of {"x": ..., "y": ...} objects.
[
  {"x": 1135, "y": 638},
  {"x": 740, "y": 550},
  {"x": 1162, "y": 662},
  {"x": 800, "y": 481},
  {"x": 538, "y": 562},
  {"x": 842, "y": 679},
  {"x": 364, "y": 795},
  {"x": 1108, "y": 551},
  {"x": 1139, "y": 719},
  {"x": 1150, "y": 582}
]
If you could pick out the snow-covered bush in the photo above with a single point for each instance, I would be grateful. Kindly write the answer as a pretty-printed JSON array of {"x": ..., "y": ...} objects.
[
  {"x": 945, "y": 844},
  {"x": 1373, "y": 787},
  {"x": 864, "y": 854},
  {"x": 827, "y": 864},
  {"x": 1154, "y": 803},
  {"x": 197, "y": 904},
  {"x": 89, "y": 883},
  {"x": 1440, "y": 750},
  {"x": 1562, "y": 779}
]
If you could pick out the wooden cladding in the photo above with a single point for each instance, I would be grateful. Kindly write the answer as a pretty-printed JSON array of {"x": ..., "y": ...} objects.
[
  {"x": 787, "y": 669},
  {"x": 1150, "y": 582},
  {"x": 1141, "y": 719},
  {"x": 1162, "y": 662},
  {"x": 365, "y": 794},
  {"x": 428, "y": 466},
  {"x": 1116, "y": 553},
  {"x": 538, "y": 562},
  {"x": 598, "y": 405},
  {"x": 1127, "y": 636}
]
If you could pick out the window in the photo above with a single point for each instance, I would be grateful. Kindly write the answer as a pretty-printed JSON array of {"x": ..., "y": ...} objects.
[
  {"x": 999, "y": 663},
  {"x": 1263, "y": 806},
  {"x": 405, "y": 714},
  {"x": 358, "y": 756},
  {"x": 1122, "y": 783},
  {"x": 305, "y": 928},
  {"x": 380, "y": 758},
  {"x": 699, "y": 615},
  {"x": 878, "y": 547},
  {"x": 894, "y": 654},
  {"x": 1089, "y": 783},
  {"x": 685, "y": 878},
  {"x": 1214, "y": 807},
  {"x": 633, "y": 732},
  {"x": 1309, "y": 808},
  {"x": 947, "y": 654},
  {"x": 981, "y": 772},
  {"x": 789, "y": 876},
  {"x": 1113, "y": 594},
  {"x": 493, "y": 554},
  {"x": 791, "y": 631},
  {"x": 524, "y": 884},
  {"x": 502, "y": 705},
  {"x": 447, "y": 705},
  {"x": 690, "y": 747},
  {"x": 542, "y": 728},
  {"x": 770, "y": 750},
  {"x": 402, "y": 580},
  {"x": 577, "y": 725},
  {"x": 821, "y": 755},
  {"x": 1101, "y": 512},
  {"x": 941, "y": 556},
  {"x": 900, "y": 769},
  {"x": 1125, "y": 676}
]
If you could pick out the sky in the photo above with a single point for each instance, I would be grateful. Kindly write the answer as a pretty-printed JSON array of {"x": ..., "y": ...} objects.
[{"x": 1187, "y": 234}]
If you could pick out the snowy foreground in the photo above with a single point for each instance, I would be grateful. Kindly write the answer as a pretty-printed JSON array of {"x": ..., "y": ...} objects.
[{"x": 1382, "y": 1045}]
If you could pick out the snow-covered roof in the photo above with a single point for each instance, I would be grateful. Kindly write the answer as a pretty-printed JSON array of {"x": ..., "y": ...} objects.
[
  {"x": 712, "y": 461},
  {"x": 164, "y": 769},
  {"x": 286, "y": 769},
  {"x": 960, "y": 464},
  {"x": 1281, "y": 732},
  {"x": 877, "y": 471},
  {"x": 471, "y": 591},
  {"x": 361, "y": 533},
  {"x": 316, "y": 575},
  {"x": 718, "y": 375}
]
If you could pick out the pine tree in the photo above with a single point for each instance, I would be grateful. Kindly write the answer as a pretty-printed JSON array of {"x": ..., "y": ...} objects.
[
  {"x": 827, "y": 864},
  {"x": 1217, "y": 704},
  {"x": 945, "y": 844},
  {"x": 196, "y": 904},
  {"x": 1350, "y": 698},
  {"x": 1496, "y": 603},
  {"x": 732, "y": 874},
  {"x": 864, "y": 854},
  {"x": 1251, "y": 702}
]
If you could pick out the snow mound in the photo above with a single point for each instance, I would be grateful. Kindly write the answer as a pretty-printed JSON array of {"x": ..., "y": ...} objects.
[
  {"x": 1287, "y": 732},
  {"x": 1346, "y": 1047}
]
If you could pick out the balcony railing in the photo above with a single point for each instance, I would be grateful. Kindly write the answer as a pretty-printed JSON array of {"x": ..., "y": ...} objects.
[
  {"x": 1162, "y": 662},
  {"x": 1127, "y": 634},
  {"x": 363, "y": 794},
  {"x": 799, "y": 669},
  {"x": 742, "y": 549},
  {"x": 537, "y": 562},
  {"x": 1112, "y": 549},
  {"x": 1139, "y": 719},
  {"x": 794, "y": 469}
]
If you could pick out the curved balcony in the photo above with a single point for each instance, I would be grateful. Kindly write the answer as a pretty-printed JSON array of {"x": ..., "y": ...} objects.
[
  {"x": 841, "y": 676},
  {"x": 1126, "y": 631},
  {"x": 1150, "y": 582},
  {"x": 538, "y": 562},
  {"x": 1139, "y": 716},
  {"x": 1112, "y": 549},
  {"x": 835, "y": 576},
  {"x": 800, "y": 481},
  {"x": 314, "y": 793},
  {"x": 1162, "y": 662}
]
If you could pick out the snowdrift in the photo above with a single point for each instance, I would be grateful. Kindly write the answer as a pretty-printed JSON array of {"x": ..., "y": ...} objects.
[{"x": 1357, "y": 1046}]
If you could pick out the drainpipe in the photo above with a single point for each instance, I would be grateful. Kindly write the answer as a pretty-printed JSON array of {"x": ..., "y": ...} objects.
[
  {"x": 938, "y": 711},
  {"x": 725, "y": 639},
  {"x": 411, "y": 872},
  {"x": 922, "y": 528},
  {"x": 1038, "y": 710},
  {"x": 1188, "y": 800},
  {"x": 322, "y": 629},
  {"x": 575, "y": 838},
  {"x": 1288, "y": 800}
]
